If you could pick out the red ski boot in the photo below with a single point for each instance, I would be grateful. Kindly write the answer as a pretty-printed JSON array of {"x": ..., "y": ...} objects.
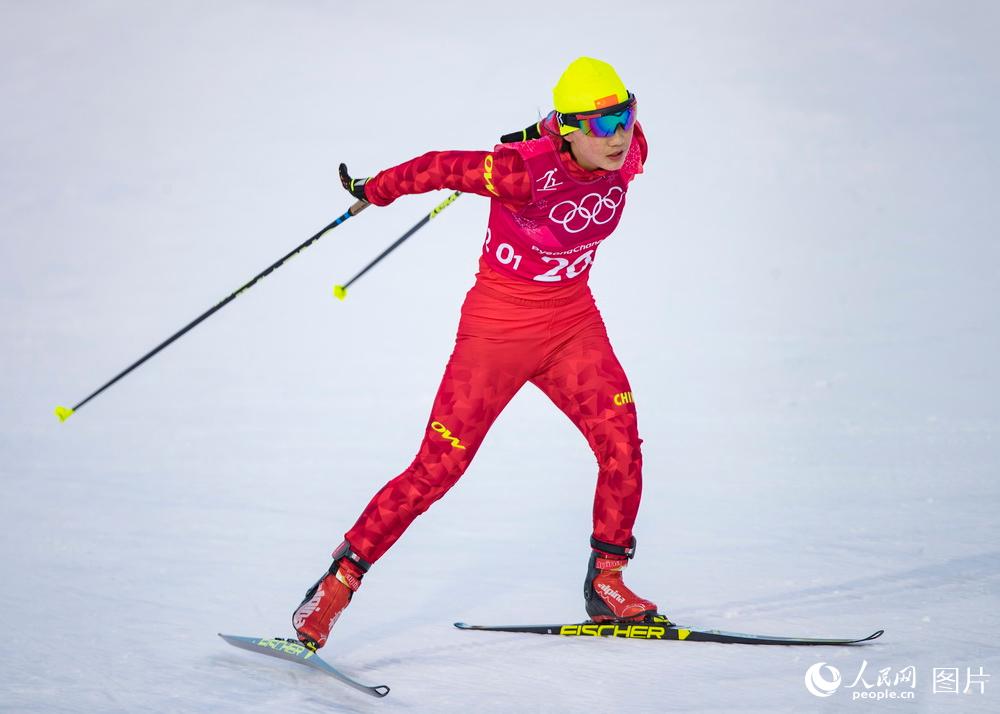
[
  {"x": 606, "y": 596},
  {"x": 327, "y": 599}
]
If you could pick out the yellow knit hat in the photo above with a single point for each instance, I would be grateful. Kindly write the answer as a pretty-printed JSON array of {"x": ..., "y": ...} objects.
[{"x": 587, "y": 84}]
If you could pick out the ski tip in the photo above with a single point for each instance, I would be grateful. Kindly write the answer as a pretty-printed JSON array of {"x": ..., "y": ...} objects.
[
  {"x": 339, "y": 292},
  {"x": 874, "y": 636},
  {"x": 381, "y": 690},
  {"x": 63, "y": 413}
]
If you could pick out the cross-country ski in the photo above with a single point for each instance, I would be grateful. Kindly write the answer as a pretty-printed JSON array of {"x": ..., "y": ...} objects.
[
  {"x": 292, "y": 651},
  {"x": 663, "y": 631}
]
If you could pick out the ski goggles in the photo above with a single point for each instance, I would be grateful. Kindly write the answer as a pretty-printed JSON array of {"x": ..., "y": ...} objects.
[{"x": 603, "y": 122}]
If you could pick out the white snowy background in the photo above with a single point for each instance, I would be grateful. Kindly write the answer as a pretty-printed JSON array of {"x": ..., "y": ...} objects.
[{"x": 804, "y": 292}]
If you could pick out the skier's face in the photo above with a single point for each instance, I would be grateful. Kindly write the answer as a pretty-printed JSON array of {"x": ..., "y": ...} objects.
[{"x": 594, "y": 152}]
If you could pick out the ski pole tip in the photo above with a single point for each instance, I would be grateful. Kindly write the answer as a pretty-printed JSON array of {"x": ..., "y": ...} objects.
[
  {"x": 64, "y": 413},
  {"x": 339, "y": 292}
]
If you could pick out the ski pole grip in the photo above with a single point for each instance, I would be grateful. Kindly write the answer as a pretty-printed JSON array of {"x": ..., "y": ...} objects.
[
  {"x": 526, "y": 134},
  {"x": 358, "y": 207}
]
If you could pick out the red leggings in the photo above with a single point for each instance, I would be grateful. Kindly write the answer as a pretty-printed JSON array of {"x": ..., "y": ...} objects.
[{"x": 559, "y": 346}]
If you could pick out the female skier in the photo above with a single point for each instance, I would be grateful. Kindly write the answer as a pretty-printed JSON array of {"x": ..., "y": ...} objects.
[{"x": 530, "y": 317}]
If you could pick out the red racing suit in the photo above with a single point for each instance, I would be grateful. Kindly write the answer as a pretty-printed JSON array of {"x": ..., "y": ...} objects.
[{"x": 530, "y": 317}]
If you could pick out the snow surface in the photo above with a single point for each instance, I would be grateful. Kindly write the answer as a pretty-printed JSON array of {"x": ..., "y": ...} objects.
[{"x": 803, "y": 291}]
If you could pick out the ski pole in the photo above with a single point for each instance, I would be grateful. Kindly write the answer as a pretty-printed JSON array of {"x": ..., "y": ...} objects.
[
  {"x": 340, "y": 291},
  {"x": 65, "y": 413}
]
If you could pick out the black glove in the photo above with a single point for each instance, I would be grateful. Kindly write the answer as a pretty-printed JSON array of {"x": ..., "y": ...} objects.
[{"x": 356, "y": 187}]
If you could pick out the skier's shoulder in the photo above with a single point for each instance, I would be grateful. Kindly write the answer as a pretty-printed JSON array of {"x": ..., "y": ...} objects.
[{"x": 530, "y": 154}]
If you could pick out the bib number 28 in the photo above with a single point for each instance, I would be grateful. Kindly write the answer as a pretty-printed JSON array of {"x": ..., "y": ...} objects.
[{"x": 564, "y": 267}]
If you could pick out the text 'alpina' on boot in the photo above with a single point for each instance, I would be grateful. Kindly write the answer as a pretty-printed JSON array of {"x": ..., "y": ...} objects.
[
  {"x": 326, "y": 600},
  {"x": 607, "y": 598}
]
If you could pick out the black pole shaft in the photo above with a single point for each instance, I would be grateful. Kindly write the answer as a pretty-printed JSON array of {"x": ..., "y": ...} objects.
[
  {"x": 352, "y": 211},
  {"x": 419, "y": 224}
]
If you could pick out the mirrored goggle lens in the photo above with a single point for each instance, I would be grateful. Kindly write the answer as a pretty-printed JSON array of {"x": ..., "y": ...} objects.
[{"x": 607, "y": 124}]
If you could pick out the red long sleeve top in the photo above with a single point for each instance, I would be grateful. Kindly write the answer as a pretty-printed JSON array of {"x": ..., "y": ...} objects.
[{"x": 508, "y": 182}]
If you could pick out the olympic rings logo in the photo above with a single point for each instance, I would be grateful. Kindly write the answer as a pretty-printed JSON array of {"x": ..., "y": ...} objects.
[{"x": 593, "y": 208}]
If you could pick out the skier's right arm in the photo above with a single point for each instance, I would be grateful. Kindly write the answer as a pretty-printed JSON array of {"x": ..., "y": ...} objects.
[{"x": 499, "y": 174}]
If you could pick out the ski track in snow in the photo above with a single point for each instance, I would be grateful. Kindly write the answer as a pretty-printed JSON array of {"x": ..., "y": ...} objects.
[{"x": 802, "y": 290}]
